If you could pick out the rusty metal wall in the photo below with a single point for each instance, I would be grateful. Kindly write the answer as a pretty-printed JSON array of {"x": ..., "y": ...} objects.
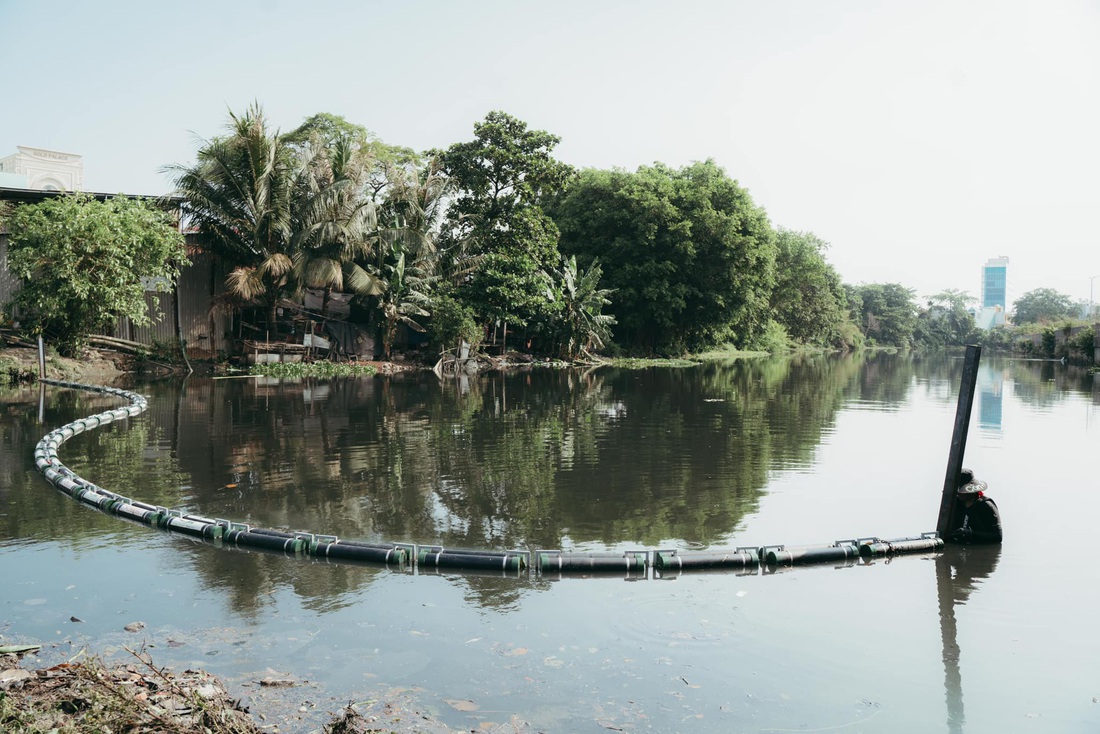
[{"x": 201, "y": 326}]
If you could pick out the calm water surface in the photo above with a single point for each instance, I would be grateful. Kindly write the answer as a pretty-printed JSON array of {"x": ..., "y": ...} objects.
[{"x": 778, "y": 451}]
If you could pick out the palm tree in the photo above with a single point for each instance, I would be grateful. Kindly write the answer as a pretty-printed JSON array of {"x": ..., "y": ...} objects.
[
  {"x": 407, "y": 258},
  {"x": 582, "y": 301},
  {"x": 238, "y": 193},
  {"x": 335, "y": 221},
  {"x": 405, "y": 296}
]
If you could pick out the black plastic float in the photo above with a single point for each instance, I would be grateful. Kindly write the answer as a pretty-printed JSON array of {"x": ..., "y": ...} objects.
[{"x": 546, "y": 562}]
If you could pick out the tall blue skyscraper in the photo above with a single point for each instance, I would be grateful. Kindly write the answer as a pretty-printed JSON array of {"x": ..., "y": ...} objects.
[{"x": 995, "y": 283}]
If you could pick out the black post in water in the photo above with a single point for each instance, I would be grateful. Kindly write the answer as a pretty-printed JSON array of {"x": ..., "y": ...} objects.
[{"x": 958, "y": 438}]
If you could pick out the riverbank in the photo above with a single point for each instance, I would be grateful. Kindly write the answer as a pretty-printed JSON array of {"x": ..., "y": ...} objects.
[
  {"x": 86, "y": 695},
  {"x": 105, "y": 366},
  {"x": 97, "y": 366}
]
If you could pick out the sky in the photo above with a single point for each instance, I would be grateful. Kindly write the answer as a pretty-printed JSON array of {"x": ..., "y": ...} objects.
[{"x": 919, "y": 139}]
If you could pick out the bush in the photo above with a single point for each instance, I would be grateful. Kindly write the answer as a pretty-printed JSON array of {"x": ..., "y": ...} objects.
[
  {"x": 774, "y": 340},
  {"x": 451, "y": 321},
  {"x": 1085, "y": 342}
]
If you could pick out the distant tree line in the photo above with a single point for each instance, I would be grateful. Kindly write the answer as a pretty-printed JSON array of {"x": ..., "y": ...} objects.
[{"x": 494, "y": 236}]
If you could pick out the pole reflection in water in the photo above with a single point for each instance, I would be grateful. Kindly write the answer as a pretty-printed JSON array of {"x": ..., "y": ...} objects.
[{"x": 959, "y": 572}]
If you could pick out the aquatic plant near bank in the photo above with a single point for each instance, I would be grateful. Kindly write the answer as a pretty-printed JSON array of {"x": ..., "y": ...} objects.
[{"x": 313, "y": 369}]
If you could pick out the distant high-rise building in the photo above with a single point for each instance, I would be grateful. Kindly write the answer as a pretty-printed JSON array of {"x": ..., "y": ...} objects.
[
  {"x": 994, "y": 293},
  {"x": 995, "y": 282}
]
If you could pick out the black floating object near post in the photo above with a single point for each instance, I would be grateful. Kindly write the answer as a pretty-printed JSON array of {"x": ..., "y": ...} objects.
[{"x": 958, "y": 438}]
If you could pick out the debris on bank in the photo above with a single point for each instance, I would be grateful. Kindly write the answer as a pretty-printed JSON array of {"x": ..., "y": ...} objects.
[{"x": 86, "y": 695}]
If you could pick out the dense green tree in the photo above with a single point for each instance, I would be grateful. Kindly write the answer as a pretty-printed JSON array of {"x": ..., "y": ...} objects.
[
  {"x": 1042, "y": 305},
  {"x": 495, "y": 228},
  {"x": 808, "y": 299},
  {"x": 689, "y": 255},
  {"x": 84, "y": 264},
  {"x": 239, "y": 193},
  {"x": 327, "y": 128},
  {"x": 947, "y": 320},
  {"x": 885, "y": 312}
]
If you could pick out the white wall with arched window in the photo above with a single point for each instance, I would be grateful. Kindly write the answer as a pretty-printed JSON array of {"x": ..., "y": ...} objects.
[{"x": 45, "y": 170}]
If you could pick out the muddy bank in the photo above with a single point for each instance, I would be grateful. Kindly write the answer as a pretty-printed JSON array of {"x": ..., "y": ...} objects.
[
  {"x": 106, "y": 367},
  {"x": 96, "y": 366},
  {"x": 84, "y": 695}
]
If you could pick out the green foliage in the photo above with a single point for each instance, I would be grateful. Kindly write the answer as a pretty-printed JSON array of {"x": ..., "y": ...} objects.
[
  {"x": 1042, "y": 305},
  {"x": 999, "y": 338},
  {"x": 239, "y": 194},
  {"x": 312, "y": 369},
  {"x": 328, "y": 128},
  {"x": 85, "y": 264},
  {"x": 581, "y": 324},
  {"x": 451, "y": 321},
  {"x": 509, "y": 282},
  {"x": 13, "y": 374},
  {"x": 1085, "y": 342},
  {"x": 773, "y": 340},
  {"x": 885, "y": 312},
  {"x": 406, "y": 297},
  {"x": 333, "y": 223},
  {"x": 1049, "y": 342},
  {"x": 632, "y": 363},
  {"x": 808, "y": 298},
  {"x": 946, "y": 321},
  {"x": 495, "y": 230},
  {"x": 689, "y": 255}
]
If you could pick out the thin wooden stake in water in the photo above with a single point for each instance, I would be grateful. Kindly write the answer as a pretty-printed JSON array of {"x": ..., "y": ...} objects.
[{"x": 958, "y": 438}]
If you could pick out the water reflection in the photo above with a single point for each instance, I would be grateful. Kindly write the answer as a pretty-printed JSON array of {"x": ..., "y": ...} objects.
[
  {"x": 990, "y": 397},
  {"x": 549, "y": 458},
  {"x": 960, "y": 571}
]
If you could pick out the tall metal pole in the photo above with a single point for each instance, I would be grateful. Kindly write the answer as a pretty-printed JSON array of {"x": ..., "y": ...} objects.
[
  {"x": 41, "y": 359},
  {"x": 958, "y": 438}
]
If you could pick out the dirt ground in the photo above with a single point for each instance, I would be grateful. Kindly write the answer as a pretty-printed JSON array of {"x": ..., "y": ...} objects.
[{"x": 97, "y": 366}]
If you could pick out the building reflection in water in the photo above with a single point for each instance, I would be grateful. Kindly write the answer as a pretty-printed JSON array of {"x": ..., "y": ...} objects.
[
  {"x": 960, "y": 571},
  {"x": 990, "y": 392}
]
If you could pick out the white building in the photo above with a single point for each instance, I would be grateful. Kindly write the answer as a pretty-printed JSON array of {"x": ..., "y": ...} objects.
[{"x": 42, "y": 170}]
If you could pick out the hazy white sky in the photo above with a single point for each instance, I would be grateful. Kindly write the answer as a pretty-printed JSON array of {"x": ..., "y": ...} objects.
[{"x": 918, "y": 138}]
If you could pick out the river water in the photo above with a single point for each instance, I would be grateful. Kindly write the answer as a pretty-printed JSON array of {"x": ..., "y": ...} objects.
[{"x": 795, "y": 451}]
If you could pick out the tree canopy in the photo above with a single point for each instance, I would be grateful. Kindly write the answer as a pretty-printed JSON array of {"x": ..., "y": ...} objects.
[
  {"x": 947, "y": 320},
  {"x": 85, "y": 264},
  {"x": 495, "y": 228},
  {"x": 688, "y": 254},
  {"x": 808, "y": 298},
  {"x": 886, "y": 313},
  {"x": 239, "y": 194},
  {"x": 1042, "y": 305}
]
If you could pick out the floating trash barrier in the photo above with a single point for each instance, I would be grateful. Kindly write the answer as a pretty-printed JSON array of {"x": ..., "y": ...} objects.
[
  {"x": 561, "y": 561},
  {"x": 549, "y": 563},
  {"x": 669, "y": 560}
]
